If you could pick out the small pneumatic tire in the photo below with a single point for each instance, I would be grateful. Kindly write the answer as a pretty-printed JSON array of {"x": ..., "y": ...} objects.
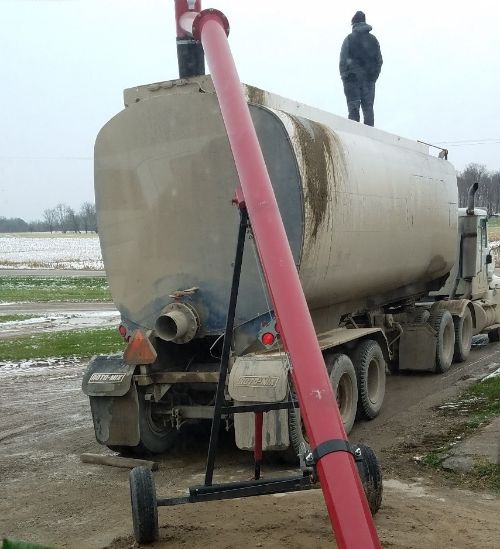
[
  {"x": 371, "y": 477},
  {"x": 144, "y": 508}
]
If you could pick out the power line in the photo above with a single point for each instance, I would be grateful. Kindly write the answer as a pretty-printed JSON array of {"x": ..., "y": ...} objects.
[
  {"x": 86, "y": 158},
  {"x": 464, "y": 142}
]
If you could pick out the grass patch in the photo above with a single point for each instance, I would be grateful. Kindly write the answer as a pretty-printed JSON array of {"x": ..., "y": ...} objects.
[
  {"x": 494, "y": 233},
  {"x": 481, "y": 402},
  {"x": 43, "y": 289},
  {"x": 433, "y": 459},
  {"x": 81, "y": 343},
  {"x": 16, "y": 318},
  {"x": 494, "y": 222},
  {"x": 487, "y": 474},
  {"x": 475, "y": 407}
]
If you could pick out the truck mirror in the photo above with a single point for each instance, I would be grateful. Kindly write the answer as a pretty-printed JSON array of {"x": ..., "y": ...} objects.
[{"x": 489, "y": 259}]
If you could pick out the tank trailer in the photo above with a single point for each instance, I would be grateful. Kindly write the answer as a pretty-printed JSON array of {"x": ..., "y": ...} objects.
[{"x": 396, "y": 276}]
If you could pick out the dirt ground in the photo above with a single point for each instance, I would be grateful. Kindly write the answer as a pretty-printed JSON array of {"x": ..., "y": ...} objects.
[{"x": 49, "y": 496}]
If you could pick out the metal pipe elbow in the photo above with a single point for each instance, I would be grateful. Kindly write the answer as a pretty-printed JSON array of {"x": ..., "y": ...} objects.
[{"x": 178, "y": 323}]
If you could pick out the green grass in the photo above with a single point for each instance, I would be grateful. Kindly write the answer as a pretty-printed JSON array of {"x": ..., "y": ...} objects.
[
  {"x": 16, "y": 318},
  {"x": 484, "y": 401},
  {"x": 494, "y": 222},
  {"x": 32, "y": 288},
  {"x": 81, "y": 343},
  {"x": 488, "y": 474},
  {"x": 474, "y": 408},
  {"x": 16, "y": 544},
  {"x": 433, "y": 459}
]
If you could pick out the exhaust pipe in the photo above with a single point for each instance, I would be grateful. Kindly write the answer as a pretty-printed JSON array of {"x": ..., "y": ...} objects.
[
  {"x": 178, "y": 323},
  {"x": 470, "y": 198}
]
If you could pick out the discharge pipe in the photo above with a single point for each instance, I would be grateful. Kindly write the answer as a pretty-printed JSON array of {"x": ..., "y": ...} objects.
[
  {"x": 190, "y": 56},
  {"x": 178, "y": 322},
  {"x": 344, "y": 496}
]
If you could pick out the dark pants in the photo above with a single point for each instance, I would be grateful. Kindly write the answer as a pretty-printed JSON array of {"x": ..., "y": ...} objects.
[{"x": 360, "y": 92}]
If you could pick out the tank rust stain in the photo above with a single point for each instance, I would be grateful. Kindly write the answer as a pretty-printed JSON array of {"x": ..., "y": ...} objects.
[{"x": 322, "y": 160}]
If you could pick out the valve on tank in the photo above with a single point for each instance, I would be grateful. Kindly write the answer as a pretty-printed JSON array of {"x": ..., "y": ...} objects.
[{"x": 178, "y": 323}]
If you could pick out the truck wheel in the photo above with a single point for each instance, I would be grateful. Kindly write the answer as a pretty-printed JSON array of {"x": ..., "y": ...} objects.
[
  {"x": 156, "y": 437},
  {"x": 371, "y": 477},
  {"x": 144, "y": 508},
  {"x": 422, "y": 315},
  {"x": 299, "y": 445},
  {"x": 345, "y": 387},
  {"x": 369, "y": 362},
  {"x": 442, "y": 322},
  {"x": 463, "y": 336}
]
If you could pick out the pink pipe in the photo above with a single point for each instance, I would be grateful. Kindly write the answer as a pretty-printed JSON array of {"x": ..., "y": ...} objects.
[{"x": 344, "y": 496}]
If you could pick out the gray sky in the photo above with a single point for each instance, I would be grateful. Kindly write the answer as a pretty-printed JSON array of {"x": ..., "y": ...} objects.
[{"x": 66, "y": 62}]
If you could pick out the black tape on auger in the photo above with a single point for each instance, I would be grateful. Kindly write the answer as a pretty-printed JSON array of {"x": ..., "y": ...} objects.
[{"x": 335, "y": 445}]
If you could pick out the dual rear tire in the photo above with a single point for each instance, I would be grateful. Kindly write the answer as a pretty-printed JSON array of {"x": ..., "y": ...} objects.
[
  {"x": 358, "y": 382},
  {"x": 454, "y": 338},
  {"x": 463, "y": 336},
  {"x": 370, "y": 365},
  {"x": 442, "y": 322}
]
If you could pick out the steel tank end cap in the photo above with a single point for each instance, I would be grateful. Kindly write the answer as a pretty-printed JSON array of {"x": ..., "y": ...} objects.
[{"x": 178, "y": 323}]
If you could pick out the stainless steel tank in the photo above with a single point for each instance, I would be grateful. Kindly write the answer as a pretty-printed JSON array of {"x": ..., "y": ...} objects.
[{"x": 371, "y": 217}]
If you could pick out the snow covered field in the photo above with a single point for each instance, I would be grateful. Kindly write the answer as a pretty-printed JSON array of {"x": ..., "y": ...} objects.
[{"x": 50, "y": 251}]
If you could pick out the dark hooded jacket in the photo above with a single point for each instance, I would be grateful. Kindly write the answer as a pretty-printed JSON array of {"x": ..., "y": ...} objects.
[{"x": 360, "y": 55}]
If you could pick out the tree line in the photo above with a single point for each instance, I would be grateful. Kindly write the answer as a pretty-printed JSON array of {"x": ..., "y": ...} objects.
[
  {"x": 61, "y": 218},
  {"x": 488, "y": 193},
  {"x": 65, "y": 219}
]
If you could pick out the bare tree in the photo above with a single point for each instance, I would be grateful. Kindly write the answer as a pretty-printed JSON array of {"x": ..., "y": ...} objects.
[
  {"x": 60, "y": 212},
  {"x": 71, "y": 220},
  {"x": 50, "y": 217},
  {"x": 488, "y": 193},
  {"x": 88, "y": 217}
]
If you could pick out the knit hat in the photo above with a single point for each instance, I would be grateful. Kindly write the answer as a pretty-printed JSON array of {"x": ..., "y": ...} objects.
[{"x": 359, "y": 17}]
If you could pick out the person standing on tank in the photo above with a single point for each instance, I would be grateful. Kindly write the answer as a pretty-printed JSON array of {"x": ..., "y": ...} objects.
[{"x": 360, "y": 65}]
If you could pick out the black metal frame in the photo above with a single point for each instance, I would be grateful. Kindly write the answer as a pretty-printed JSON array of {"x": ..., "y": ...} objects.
[{"x": 229, "y": 490}]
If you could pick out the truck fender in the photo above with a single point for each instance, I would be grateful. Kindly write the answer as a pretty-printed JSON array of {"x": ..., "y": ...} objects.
[
  {"x": 114, "y": 402},
  {"x": 456, "y": 307},
  {"x": 345, "y": 336}
]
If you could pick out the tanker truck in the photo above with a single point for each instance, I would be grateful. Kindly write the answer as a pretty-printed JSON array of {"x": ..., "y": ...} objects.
[{"x": 374, "y": 228}]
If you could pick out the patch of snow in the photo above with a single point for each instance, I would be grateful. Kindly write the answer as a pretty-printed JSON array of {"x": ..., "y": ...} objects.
[
  {"x": 58, "y": 322},
  {"x": 37, "y": 367},
  {"x": 496, "y": 373},
  {"x": 50, "y": 252}
]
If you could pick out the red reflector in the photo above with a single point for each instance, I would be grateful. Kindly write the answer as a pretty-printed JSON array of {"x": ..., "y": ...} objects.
[
  {"x": 268, "y": 338},
  {"x": 139, "y": 350}
]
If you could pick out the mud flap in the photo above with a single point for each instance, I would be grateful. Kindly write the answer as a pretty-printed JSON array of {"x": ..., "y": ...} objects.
[
  {"x": 113, "y": 400},
  {"x": 417, "y": 348}
]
